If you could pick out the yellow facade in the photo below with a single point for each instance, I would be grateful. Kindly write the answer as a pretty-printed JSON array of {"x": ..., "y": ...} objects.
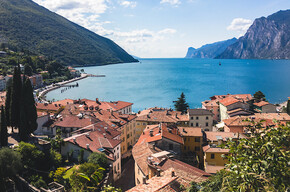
[
  {"x": 128, "y": 136},
  {"x": 214, "y": 158},
  {"x": 193, "y": 144}
]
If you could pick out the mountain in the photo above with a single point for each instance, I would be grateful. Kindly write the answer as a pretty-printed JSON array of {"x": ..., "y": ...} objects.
[
  {"x": 29, "y": 26},
  {"x": 209, "y": 50},
  {"x": 267, "y": 38}
]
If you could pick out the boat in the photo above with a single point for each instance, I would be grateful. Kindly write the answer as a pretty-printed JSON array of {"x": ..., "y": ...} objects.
[{"x": 220, "y": 63}]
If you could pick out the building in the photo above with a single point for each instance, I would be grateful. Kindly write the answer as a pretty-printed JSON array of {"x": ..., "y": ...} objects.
[
  {"x": 150, "y": 161},
  {"x": 231, "y": 106},
  {"x": 213, "y": 158},
  {"x": 100, "y": 140},
  {"x": 213, "y": 154},
  {"x": 213, "y": 103},
  {"x": 192, "y": 147},
  {"x": 153, "y": 116},
  {"x": 48, "y": 107},
  {"x": 42, "y": 118},
  {"x": 202, "y": 118},
  {"x": 2, "y": 83},
  {"x": 264, "y": 107},
  {"x": 163, "y": 136},
  {"x": 36, "y": 80}
]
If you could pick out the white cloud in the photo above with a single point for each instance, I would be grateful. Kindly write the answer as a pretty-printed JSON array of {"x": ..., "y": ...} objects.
[
  {"x": 167, "y": 31},
  {"x": 131, "y": 4},
  {"x": 171, "y": 2},
  {"x": 240, "y": 25}
]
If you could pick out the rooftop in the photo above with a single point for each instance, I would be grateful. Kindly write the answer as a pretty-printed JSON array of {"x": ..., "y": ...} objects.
[
  {"x": 190, "y": 131},
  {"x": 215, "y": 136},
  {"x": 199, "y": 112},
  {"x": 211, "y": 149},
  {"x": 229, "y": 101}
]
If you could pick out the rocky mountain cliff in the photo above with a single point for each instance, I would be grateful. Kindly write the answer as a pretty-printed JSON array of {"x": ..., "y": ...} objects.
[
  {"x": 26, "y": 25},
  {"x": 267, "y": 38},
  {"x": 209, "y": 50}
]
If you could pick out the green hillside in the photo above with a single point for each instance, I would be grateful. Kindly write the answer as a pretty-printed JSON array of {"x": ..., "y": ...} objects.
[{"x": 27, "y": 25}]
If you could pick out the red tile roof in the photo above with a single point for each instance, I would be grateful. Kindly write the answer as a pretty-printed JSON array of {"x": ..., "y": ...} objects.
[
  {"x": 214, "y": 136},
  {"x": 190, "y": 131},
  {"x": 64, "y": 102},
  {"x": 262, "y": 103},
  {"x": 209, "y": 149},
  {"x": 229, "y": 101},
  {"x": 158, "y": 132},
  {"x": 72, "y": 121},
  {"x": 47, "y": 106}
]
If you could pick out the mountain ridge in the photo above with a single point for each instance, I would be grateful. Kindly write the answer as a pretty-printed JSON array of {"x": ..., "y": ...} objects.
[
  {"x": 25, "y": 24},
  {"x": 267, "y": 38}
]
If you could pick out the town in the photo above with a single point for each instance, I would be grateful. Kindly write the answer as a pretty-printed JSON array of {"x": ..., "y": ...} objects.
[{"x": 156, "y": 149}]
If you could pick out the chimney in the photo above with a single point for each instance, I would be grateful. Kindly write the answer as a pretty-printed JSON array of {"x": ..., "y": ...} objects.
[
  {"x": 151, "y": 133},
  {"x": 172, "y": 174},
  {"x": 104, "y": 134},
  {"x": 88, "y": 146},
  {"x": 153, "y": 146},
  {"x": 106, "y": 128},
  {"x": 74, "y": 140},
  {"x": 158, "y": 172},
  {"x": 144, "y": 180}
]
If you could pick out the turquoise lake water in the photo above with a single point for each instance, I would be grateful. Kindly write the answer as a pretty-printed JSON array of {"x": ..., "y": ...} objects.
[{"x": 158, "y": 82}]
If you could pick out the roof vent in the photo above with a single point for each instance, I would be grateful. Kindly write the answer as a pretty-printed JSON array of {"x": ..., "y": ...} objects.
[
  {"x": 104, "y": 134},
  {"x": 172, "y": 174},
  {"x": 151, "y": 133},
  {"x": 75, "y": 140},
  {"x": 88, "y": 146},
  {"x": 106, "y": 128}
]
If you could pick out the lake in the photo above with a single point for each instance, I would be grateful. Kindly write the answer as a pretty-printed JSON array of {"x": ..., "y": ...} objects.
[{"x": 158, "y": 82}]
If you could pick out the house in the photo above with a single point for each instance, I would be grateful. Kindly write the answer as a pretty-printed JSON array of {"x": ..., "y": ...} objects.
[
  {"x": 213, "y": 158},
  {"x": 48, "y": 107},
  {"x": 192, "y": 147},
  {"x": 213, "y": 154},
  {"x": 202, "y": 118},
  {"x": 2, "y": 83},
  {"x": 153, "y": 116},
  {"x": 150, "y": 161},
  {"x": 231, "y": 106},
  {"x": 165, "y": 137},
  {"x": 264, "y": 107},
  {"x": 100, "y": 140},
  {"x": 213, "y": 103},
  {"x": 36, "y": 80},
  {"x": 42, "y": 118}
]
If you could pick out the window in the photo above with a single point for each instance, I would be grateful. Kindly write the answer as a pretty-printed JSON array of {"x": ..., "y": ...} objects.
[
  {"x": 128, "y": 136},
  {"x": 184, "y": 147},
  {"x": 138, "y": 123},
  {"x": 118, "y": 166},
  {"x": 170, "y": 146},
  {"x": 206, "y": 124},
  {"x": 196, "y": 118},
  {"x": 206, "y": 118},
  {"x": 212, "y": 156},
  {"x": 188, "y": 139},
  {"x": 196, "y": 124},
  {"x": 191, "y": 124},
  {"x": 197, "y": 148},
  {"x": 184, "y": 139},
  {"x": 144, "y": 123},
  {"x": 191, "y": 118},
  {"x": 197, "y": 139}
]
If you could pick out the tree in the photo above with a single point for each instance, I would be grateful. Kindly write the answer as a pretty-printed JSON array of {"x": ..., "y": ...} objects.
[
  {"x": 8, "y": 102},
  {"x": 180, "y": 104},
  {"x": 15, "y": 98},
  {"x": 258, "y": 163},
  {"x": 288, "y": 106},
  {"x": 3, "y": 132},
  {"x": 81, "y": 156},
  {"x": 28, "y": 70},
  {"x": 10, "y": 165},
  {"x": 110, "y": 188},
  {"x": 259, "y": 95},
  {"x": 87, "y": 176},
  {"x": 99, "y": 159}
]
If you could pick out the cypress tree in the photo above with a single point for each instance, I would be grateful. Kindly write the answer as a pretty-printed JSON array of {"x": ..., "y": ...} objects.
[
  {"x": 288, "y": 107},
  {"x": 7, "y": 103},
  {"x": 180, "y": 104},
  {"x": 4, "y": 131},
  {"x": 15, "y": 98}
]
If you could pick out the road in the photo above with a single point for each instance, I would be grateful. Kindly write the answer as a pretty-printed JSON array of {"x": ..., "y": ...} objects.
[{"x": 127, "y": 180}]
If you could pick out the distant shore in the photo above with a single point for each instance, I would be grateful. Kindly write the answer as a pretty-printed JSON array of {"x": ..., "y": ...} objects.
[{"x": 52, "y": 87}]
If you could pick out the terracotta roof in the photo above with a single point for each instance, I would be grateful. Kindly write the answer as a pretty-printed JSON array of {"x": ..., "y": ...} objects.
[
  {"x": 73, "y": 121},
  {"x": 115, "y": 106},
  {"x": 237, "y": 121},
  {"x": 158, "y": 133},
  {"x": 229, "y": 101},
  {"x": 272, "y": 116},
  {"x": 210, "y": 102},
  {"x": 199, "y": 112},
  {"x": 190, "y": 131},
  {"x": 64, "y": 102},
  {"x": 95, "y": 141},
  {"x": 215, "y": 136},
  {"x": 185, "y": 170},
  {"x": 41, "y": 114},
  {"x": 162, "y": 115},
  {"x": 47, "y": 106},
  {"x": 156, "y": 183},
  {"x": 209, "y": 149},
  {"x": 213, "y": 168}
]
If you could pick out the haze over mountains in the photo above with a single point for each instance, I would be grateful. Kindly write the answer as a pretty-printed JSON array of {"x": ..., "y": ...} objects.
[
  {"x": 27, "y": 25},
  {"x": 267, "y": 38}
]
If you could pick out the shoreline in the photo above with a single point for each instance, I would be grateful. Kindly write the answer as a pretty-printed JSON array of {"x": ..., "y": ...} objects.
[{"x": 51, "y": 87}]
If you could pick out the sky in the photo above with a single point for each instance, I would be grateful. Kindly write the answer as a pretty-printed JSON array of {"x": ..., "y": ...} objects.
[{"x": 165, "y": 28}]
